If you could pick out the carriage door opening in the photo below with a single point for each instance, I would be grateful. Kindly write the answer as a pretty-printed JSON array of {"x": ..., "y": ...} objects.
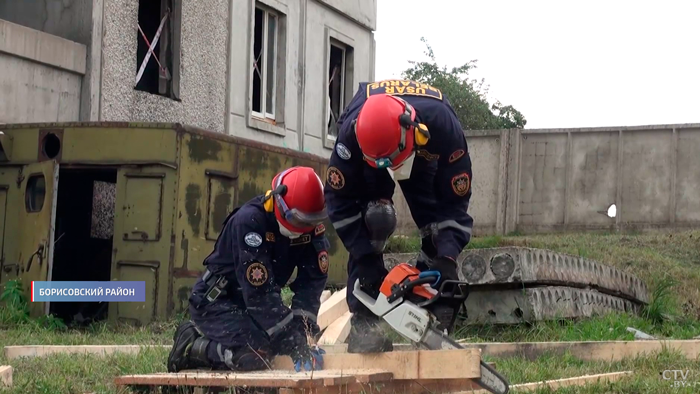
[{"x": 83, "y": 237}]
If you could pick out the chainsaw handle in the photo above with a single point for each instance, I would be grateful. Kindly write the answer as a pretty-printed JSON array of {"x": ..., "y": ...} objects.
[
  {"x": 405, "y": 288},
  {"x": 428, "y": 274}
]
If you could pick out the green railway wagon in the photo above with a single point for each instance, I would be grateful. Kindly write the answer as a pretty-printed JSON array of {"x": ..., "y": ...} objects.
[{"x": 128, "y": 202}]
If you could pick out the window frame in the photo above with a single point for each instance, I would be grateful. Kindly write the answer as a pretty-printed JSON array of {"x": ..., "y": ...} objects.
[
  {"x": 264, "y": 114},
  {"x": 347, "y": 45},
  {"x": 273, "y": 123}
]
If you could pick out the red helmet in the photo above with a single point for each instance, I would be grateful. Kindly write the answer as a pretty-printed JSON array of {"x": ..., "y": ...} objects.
[
  {"x": 299, "y": 202},
  {"x": 385, "y": 130}
]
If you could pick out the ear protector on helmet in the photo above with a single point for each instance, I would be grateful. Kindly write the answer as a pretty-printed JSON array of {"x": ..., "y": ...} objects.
[
  {"x": 421, "y": 135},
  {"x": 269, "y": 201}
]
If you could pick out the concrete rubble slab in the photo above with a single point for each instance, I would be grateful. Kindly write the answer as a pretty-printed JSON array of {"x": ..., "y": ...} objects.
[
  {"x": 541, "y": 303},
  {"x": 530, "y": 267}
]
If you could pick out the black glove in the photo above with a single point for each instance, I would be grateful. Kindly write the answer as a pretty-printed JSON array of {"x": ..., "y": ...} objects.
[
  {"x": 306, "y": 326},
  {"x": 447, "y": 268},
  {"x": 292, "y": 342},
  {"x": 371, "y": 273},
  {"x": 287, "y": 341}
]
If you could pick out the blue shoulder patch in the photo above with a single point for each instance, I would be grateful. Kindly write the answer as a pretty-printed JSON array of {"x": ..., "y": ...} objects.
[{"x": 399, "y": 87}]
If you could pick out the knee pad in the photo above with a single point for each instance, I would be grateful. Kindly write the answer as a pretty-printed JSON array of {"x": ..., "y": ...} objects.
[{"x": 380, "y": 220}]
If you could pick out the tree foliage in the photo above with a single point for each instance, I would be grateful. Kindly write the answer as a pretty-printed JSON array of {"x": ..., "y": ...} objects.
[{"x": 467, "y": 96}]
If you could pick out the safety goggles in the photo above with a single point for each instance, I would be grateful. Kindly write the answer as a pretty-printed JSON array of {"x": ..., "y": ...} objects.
[
  {"x": 294, "y": 216},
  {"x": 406, "y": 123}
]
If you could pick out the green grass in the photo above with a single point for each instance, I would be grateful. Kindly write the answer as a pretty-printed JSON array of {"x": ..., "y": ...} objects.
[{"x": 668, "y": 263}]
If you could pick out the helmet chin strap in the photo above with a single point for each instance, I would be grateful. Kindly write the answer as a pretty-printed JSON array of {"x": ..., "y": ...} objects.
[{"x": 289, "y": 234}]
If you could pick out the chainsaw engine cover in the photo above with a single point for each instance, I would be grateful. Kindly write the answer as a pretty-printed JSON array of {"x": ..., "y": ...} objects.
[{"x": 402, "y": 274}]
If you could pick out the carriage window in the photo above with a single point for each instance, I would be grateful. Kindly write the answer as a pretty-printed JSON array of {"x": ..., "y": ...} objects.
[{"x": 35, "y": 193}]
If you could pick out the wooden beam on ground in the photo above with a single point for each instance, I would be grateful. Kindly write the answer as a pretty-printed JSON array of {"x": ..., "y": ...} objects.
[
  {"x": 415, "y": 364},
  {"x": 589, "y": 350},
  {"x": 325, "y": 295},
  {"x": 12, "y": 352},
  {"x": 559, "y": 383},
  {"x": 6, "y": 375},
  {"x": 332, "y": 309},
  {"x": 254, "y": 379},
  {"x": 419, "y": 386},
  {"x": 337, "y": 332}
]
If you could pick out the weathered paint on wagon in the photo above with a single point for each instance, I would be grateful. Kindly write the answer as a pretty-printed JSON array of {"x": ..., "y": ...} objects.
[{"x": 169, "y": 187}]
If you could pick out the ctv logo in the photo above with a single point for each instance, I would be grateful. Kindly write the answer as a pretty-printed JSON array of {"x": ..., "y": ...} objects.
[{"x": 679, "y": 377}]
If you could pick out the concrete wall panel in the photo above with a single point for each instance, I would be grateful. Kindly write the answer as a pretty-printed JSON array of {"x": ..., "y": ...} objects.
[
  {"x": 363, "y": 12},
  {"x": 542, "y": 179},
  {"x": 593, "y": 176},
  {"x": 203, "y": 67},
  {"x": 646, "y": 176},
  {"x": 485, "y": 153},
  {"x": 75, "y": 20},
  {"x": 33, "y": 92},
  {"x": 688, "y": 176}
]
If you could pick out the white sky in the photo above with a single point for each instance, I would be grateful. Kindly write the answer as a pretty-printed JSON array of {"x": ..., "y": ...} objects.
[{"x": 561, "y": 63}]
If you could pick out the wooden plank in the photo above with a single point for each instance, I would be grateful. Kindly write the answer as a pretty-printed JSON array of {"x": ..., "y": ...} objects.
[
  {"x": 6, "y": 375},
  {"x": 337, "y": 332},
  {"x": 325, "y": 295},
  {"x": 587, "y": 350},
  {"x": 415, "y": 364},
  {"x": 419, "y": 386},
  {"x": 13, "y": 352},
  {"x": 332, "y": 309},
  {"x": 559, "y": 383},
  {"x": 254, "y": 379}
]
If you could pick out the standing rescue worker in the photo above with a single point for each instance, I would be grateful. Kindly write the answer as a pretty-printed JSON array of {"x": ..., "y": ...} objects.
[
  {"x": 408, "y": 132},
  {"x": 238, "y": 319}
]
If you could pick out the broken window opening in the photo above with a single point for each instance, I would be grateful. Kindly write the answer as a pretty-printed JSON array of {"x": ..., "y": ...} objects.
[
  {"x": 264, "y": 63},
  {"x": 158, "y": 29},
  {"x": 337, "y": 75}
]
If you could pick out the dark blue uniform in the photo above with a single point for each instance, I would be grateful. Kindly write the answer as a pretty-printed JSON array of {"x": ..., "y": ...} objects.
[
  {"x": 437, "y": 192},
  {"x": 252, "y": 262}
]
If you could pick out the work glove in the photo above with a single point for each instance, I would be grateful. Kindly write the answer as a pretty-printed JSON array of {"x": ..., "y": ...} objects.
[
  {"x": 306, "y": 326},
  {"x": 371, "y": 272},
  {"x": 447, "y": 268},
  {"x": 308, "y": 357}
]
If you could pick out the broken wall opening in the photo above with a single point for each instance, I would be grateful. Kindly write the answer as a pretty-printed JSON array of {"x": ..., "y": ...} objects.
[{"x": 158, "y": 28}]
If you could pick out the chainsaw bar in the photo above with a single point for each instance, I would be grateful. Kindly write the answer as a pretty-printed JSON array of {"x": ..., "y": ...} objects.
[{"x": 490, "y": 379}]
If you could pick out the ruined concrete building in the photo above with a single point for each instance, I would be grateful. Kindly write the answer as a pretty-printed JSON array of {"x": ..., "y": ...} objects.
[{"x": 277, "y": 71}]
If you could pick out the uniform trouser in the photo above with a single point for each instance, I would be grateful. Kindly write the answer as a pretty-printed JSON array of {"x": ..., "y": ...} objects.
[
  {"x": 438, "y": 210},
  {"x": 236, "y": 341}
]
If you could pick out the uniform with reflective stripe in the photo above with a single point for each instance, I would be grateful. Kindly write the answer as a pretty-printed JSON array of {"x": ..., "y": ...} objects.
[
  {"x": 258, "y": 261},
  {"x": 437, "y": 194}
]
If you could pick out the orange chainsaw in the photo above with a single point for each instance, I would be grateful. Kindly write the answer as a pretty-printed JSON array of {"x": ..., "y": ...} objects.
[{"x": 403, "y": 299}]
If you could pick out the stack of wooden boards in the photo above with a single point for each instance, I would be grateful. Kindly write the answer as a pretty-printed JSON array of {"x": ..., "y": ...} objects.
[
  {"x": 334, "y": 317},
  {"x": 443, "y": 371},
  {"x": 398, "y": 371}
]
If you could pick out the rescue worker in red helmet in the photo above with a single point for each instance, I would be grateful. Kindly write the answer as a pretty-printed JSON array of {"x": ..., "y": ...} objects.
[
  {"x": 238, "y": 321},
  {"x": 407, "y": 132}
]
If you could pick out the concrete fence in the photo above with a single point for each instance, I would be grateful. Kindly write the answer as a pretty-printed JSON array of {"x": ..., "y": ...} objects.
[{"x": 551, "y": 180}]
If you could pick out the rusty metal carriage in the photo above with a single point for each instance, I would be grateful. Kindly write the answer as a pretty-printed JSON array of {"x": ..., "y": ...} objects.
[{"x": 127, "y": 201}]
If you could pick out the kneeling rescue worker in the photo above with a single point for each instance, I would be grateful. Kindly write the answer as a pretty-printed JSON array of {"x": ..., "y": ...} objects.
[
  {"x": 238, "y": 321},
  {"x": 407, "y": 132}
]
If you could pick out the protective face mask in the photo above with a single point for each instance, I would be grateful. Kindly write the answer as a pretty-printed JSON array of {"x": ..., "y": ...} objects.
[
  {"x": 404, "y": 171},
  {"x": 287, "y": 233}
]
